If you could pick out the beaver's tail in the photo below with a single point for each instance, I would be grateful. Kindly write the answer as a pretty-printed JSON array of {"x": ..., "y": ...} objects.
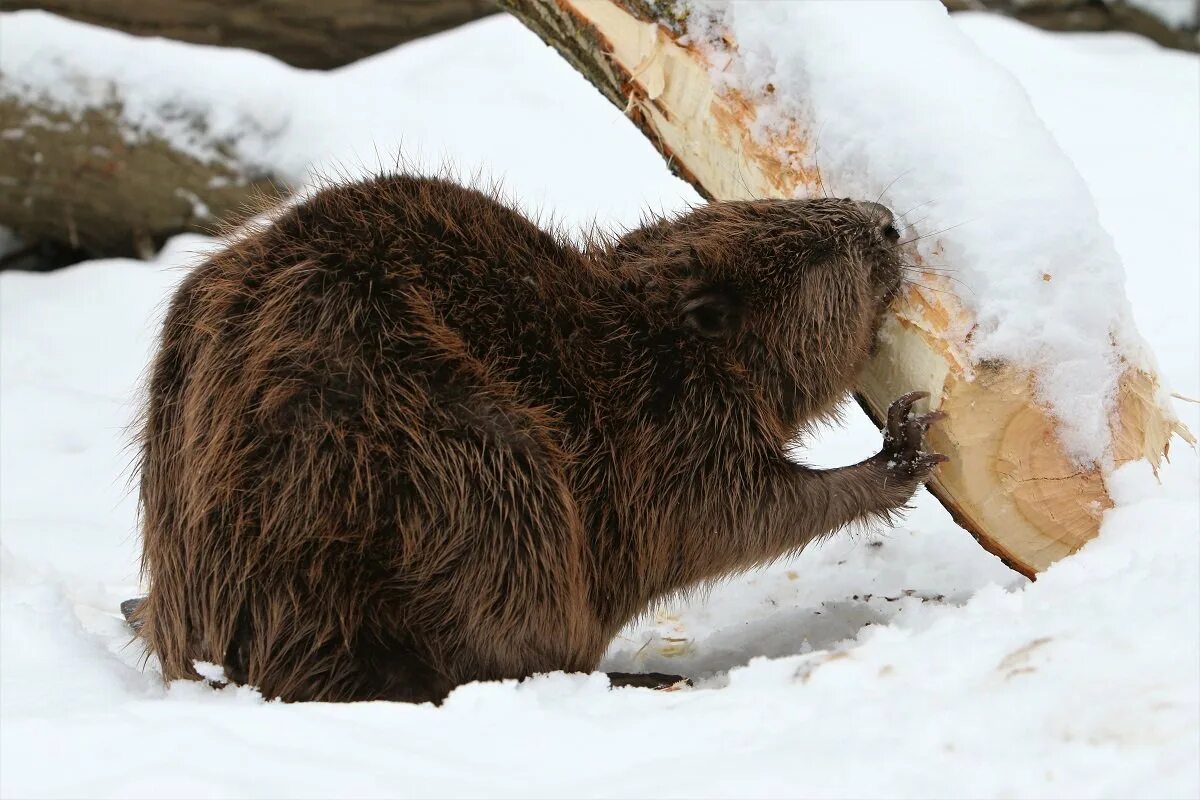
[{"x": 130, "y": 609}]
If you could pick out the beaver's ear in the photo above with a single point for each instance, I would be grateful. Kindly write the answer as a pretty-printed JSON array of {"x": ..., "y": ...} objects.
[{"x": 714, "y": 312}]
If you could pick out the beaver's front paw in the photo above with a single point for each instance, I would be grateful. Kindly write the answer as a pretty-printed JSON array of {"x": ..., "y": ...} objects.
[{"x": 903, "y": 455}]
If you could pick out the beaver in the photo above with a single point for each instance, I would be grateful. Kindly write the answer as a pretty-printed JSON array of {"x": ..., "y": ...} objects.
[{"x": 400, "y": 437}]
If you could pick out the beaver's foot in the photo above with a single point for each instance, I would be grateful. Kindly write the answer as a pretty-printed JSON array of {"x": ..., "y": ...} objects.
[{"x": 903, "y": 451}]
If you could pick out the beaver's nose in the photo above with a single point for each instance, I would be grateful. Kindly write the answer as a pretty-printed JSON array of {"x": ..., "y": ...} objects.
[{"x": 884, "y": 218}]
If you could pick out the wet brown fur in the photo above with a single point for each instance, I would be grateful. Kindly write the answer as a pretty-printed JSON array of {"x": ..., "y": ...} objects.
[{"x": 401, "y": 438}]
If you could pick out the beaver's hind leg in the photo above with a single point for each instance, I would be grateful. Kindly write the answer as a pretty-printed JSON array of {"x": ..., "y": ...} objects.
[{"x": 500, "y": 566}]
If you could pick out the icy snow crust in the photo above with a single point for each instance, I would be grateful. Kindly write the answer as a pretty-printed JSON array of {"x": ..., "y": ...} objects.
[
  {"x": 903, "y": 663},
  {"x": 901, "y": 103}
]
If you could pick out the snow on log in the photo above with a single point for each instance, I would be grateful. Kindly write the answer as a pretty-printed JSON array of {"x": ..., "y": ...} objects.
[
  {"x": 1017, "y": 325},
  {"x": 109, "y": 144}
]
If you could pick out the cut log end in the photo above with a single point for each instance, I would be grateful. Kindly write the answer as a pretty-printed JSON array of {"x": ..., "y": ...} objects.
[{"x": 1009, "y": 481}]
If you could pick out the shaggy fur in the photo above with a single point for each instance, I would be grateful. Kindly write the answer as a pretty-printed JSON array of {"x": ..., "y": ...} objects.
[{"x": 401, "y": 438}]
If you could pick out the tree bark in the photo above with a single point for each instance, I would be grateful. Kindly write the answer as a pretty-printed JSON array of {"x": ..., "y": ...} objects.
[
  {"x": 1009, "y": 481},
  {"x": 1089, "y": 15},
  {"x": 314, "y": 34},
  {"x": 85, "y": 182}
]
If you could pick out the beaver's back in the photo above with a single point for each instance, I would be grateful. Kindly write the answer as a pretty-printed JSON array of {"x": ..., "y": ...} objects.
[{"x": 316, "y": 410}]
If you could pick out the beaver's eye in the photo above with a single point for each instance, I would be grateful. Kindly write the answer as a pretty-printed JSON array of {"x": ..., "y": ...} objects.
[
  {"x": 890, "y": 233},
  {"x": 709, "y": 321},
  {"x": 712, "y": 314}
]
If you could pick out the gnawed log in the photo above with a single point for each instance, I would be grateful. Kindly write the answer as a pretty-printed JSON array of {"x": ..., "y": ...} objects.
[
  {"x": 1010, "y": 482},
  {"x": 313, "y": 34},
  {"x": 86, "y": 181}
]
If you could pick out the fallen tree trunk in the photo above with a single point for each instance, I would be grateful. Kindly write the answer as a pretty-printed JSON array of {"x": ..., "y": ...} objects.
[
  {"x": 1093, "y": 15},
  {"x": 1010, "y": 481},
  {"x": 304, "y": 33},
  {"x": 81, "y": 178},
  {"x": 87, "y": 182}
]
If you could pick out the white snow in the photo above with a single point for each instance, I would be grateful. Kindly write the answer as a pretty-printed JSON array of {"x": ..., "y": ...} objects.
[
  {"x": 904, "y": 663},
  {"x": 213, "y": 673},
  {"x": 901, "y": 104},
  {"x": 1108, "y": 87}
]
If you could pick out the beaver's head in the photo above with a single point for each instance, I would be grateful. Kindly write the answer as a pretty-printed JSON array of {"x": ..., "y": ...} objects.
[{"x": 790, "y": 291}]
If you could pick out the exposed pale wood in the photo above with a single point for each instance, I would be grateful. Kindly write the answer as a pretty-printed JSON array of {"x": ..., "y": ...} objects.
[{"x": 1009, "y": 482}]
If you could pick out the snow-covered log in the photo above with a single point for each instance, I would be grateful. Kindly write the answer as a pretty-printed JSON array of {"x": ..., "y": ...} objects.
[
  {"x": 1028, "y": 346},
  {"x": 110, "y": 143},
  {"x": 87, "y": 181},
  {"x": 313, "y": 34}
]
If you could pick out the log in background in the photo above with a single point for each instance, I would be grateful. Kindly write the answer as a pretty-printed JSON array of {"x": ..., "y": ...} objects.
[
  {"x": 322, "y": 34},
  {"x": 1090, "y": 15},
  {"x": 314, "y": 34},
  {"x": 73, "y": 187}
]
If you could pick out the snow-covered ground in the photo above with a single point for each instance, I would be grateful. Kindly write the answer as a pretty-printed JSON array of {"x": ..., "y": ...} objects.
[{"x": 903, "y": 662}]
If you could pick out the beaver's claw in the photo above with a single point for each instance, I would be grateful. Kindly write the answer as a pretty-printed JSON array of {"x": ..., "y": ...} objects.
[{"x": 904, "y": 438}]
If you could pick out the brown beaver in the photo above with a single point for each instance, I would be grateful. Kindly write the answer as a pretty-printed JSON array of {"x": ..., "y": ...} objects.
[{"x": 401, "y": 438}]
